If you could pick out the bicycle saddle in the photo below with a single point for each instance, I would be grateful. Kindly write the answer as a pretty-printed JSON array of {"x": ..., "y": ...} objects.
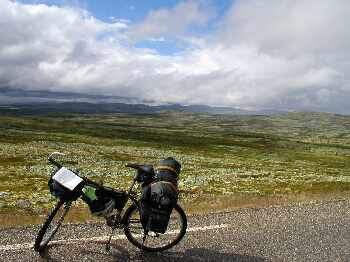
[{"x": 148, "y": 169}]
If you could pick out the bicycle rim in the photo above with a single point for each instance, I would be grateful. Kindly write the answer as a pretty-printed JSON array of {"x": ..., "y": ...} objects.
[
  {"x": 51, "y": 225},
  {"x": 154, "y": 241}
]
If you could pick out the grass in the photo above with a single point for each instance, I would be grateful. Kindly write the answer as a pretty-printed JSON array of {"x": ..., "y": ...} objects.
[{"x": 223, "y": 156}]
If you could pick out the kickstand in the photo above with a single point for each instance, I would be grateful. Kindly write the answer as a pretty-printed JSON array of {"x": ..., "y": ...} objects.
[
  {"x": 113, "y": 222},
  {"x": 108, "y": 244}
]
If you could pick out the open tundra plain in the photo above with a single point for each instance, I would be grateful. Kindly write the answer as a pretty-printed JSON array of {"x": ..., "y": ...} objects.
[{"x": 228, "y": 160}]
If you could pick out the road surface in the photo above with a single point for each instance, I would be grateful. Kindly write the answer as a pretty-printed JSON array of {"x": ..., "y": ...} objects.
[{"x": 318, "y": 231}]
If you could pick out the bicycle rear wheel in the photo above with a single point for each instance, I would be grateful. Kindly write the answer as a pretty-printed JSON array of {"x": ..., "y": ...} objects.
[
  {"x": 154, "y": 242},
  {"x": 51, "y": 225}
]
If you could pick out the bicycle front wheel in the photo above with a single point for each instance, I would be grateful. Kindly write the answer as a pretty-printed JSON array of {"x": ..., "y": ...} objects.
[
  {"x": 51, "y": 225},
  {"x": 152, "y": 241}
]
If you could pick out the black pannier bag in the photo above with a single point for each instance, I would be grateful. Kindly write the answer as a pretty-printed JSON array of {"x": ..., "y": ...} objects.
[
  {"x": 102, "y": 202},
  {"x": 159, "y": 198},
  {"x": 120, "y": 197}
]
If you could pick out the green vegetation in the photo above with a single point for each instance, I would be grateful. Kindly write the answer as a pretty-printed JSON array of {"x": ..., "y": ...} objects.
[{"x": 222, "y": 155}]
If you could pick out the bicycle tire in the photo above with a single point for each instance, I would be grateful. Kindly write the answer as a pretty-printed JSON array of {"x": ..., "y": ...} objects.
[
  {"x": 136, "y": 242},
  {"x": 45, "y": 235}
]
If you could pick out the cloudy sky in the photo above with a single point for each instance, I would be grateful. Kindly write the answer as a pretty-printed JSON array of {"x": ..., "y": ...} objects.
[{"x": 252, "y": 54}]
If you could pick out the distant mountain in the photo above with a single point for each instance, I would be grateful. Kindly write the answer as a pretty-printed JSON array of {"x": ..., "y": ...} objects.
[
  {"x": 41, "y": 102},
  {"x": 35, "y": 96},
  {"x": 96, "y": 108}
]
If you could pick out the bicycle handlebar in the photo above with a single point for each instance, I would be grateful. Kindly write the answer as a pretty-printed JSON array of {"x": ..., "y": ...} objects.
[
  {"x": 53, "y": 161},
  {"x": 86, "y": 180}
]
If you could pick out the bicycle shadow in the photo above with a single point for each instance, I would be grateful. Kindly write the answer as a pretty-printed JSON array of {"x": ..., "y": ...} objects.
[
  {"x": 122, "y": 254},
  {"x": 119, "y": 253}
]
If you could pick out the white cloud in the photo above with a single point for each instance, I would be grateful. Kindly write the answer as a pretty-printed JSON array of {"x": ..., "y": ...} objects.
[
  {"x": 159, "y": 39},
  {"x": 275, "y": 54},
  {"x": 172, "y": 22},
  {"x": 288, "y": 27},
  {"x": 304, "y": 44}
]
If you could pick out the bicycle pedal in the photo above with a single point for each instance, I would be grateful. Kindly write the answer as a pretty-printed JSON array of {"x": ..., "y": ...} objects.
[{"x": 110, "y": 221}]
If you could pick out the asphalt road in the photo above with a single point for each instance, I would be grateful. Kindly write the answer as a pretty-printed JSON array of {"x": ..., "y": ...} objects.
[{"x": 305, "y": 232}]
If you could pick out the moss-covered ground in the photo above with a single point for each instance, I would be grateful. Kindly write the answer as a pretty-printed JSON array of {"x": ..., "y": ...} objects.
[{"x": 223, "y": 156}]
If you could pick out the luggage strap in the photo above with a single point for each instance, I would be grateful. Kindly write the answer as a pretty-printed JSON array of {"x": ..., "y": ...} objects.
[
  {"x": 169, "y": 183},
  {"x": 166, "y": 168}
]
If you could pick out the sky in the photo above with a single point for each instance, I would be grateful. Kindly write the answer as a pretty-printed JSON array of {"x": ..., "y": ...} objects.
[{"x": 249, "y": 54}]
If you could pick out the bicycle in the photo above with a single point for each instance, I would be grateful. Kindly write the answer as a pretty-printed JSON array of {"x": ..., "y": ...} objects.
[{"x": 128, "y": 220}]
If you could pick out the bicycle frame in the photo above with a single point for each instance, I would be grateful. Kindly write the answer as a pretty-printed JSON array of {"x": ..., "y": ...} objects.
[
  {"x": 113, "y": 219},
  {"x": 130, "y": 193}
]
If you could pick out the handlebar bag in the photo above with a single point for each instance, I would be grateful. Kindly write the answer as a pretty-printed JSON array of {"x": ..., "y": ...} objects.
[{"x": 65, "y": 184}]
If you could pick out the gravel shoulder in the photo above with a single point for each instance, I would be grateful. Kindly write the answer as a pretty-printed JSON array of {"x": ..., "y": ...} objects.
[{"x": 316, "y": 231}]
